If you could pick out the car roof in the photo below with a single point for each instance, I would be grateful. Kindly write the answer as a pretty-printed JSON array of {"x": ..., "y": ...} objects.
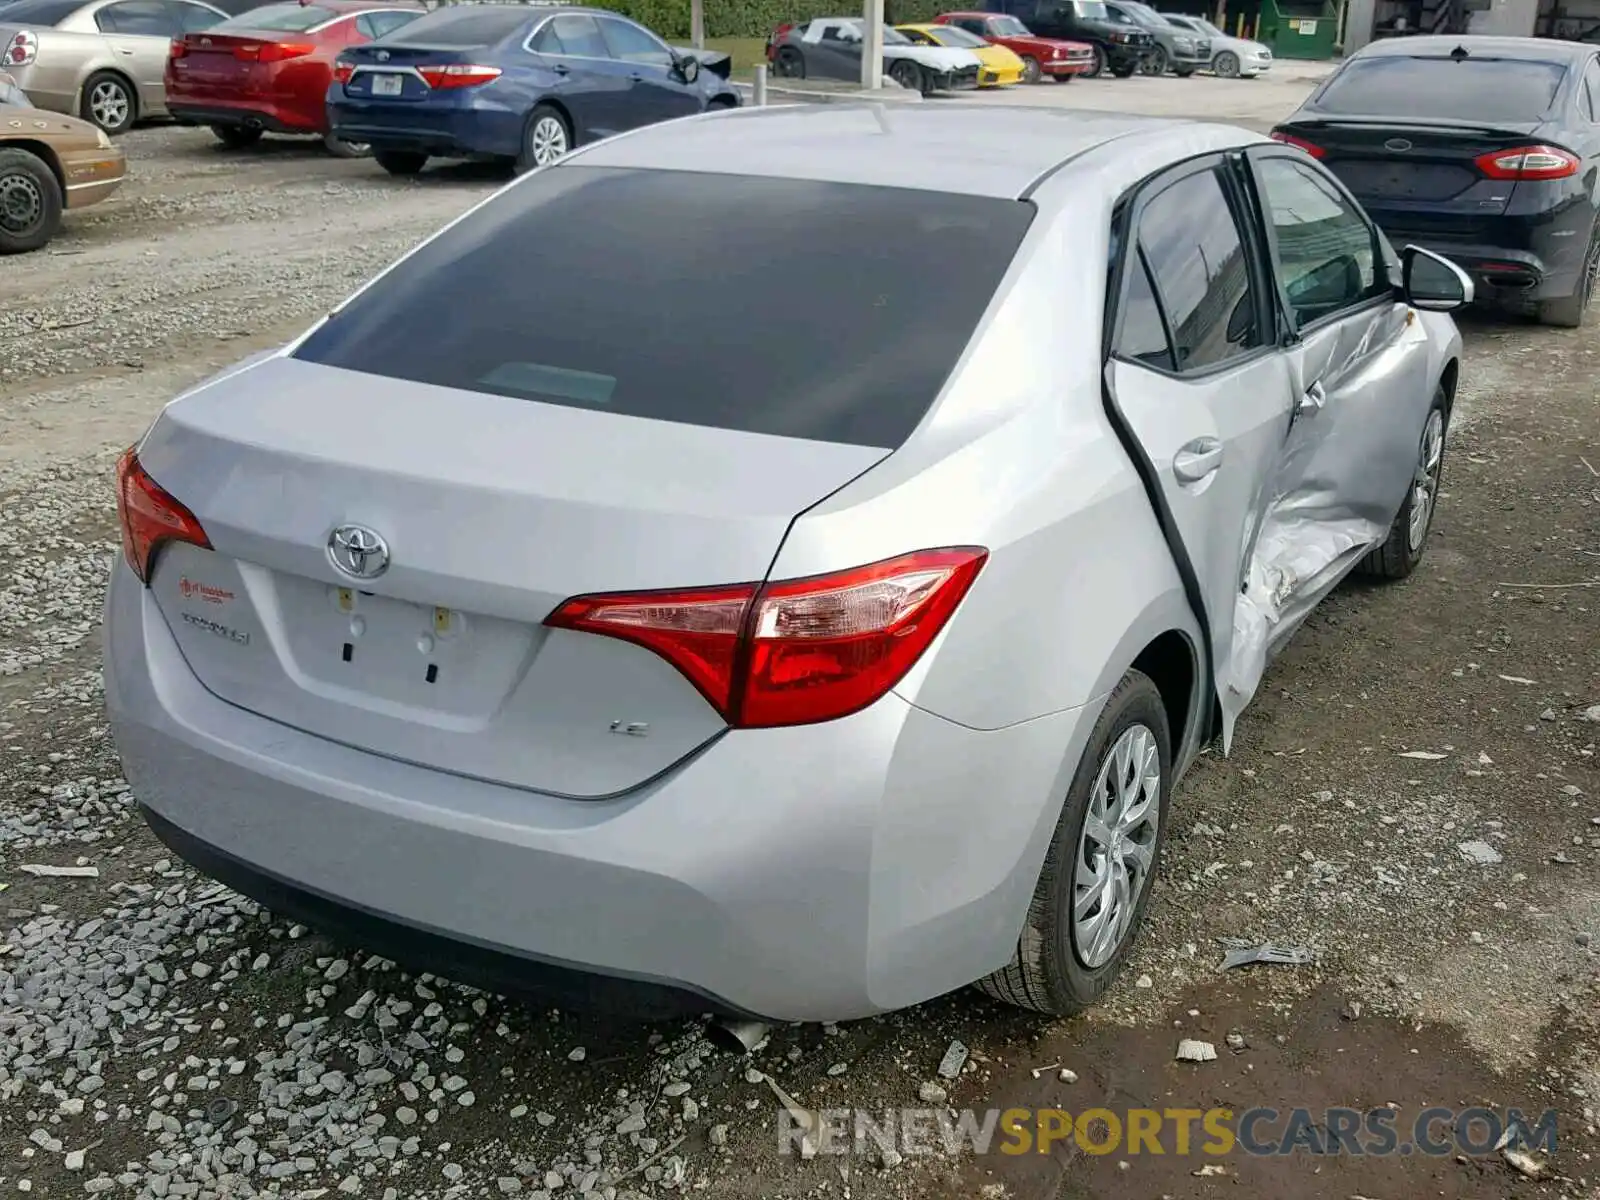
[
  {"x": 976, "y": 149},
  {"x": 1436, "y": 46}
]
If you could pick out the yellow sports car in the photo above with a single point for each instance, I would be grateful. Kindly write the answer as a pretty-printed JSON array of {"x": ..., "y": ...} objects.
[{"x": 998, "y": 67}]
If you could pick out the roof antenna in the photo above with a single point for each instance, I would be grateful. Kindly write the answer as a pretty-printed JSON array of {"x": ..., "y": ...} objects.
[{"x": 1460, "y": 53}]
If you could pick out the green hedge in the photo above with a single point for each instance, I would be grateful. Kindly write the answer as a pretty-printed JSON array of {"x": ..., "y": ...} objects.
[{"x": 755, "y": 18}]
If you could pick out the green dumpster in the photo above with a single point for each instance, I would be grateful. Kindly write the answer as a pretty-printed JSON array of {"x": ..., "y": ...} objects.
[{"x": 1298, "y": 28}]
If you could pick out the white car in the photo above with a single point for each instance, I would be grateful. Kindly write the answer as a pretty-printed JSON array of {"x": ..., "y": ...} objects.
[
  {"x": 1231, "y": 57},
  {"x": 830, "y": 48}
]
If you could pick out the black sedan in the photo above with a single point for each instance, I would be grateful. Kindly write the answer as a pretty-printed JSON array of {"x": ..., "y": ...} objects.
[{"x": 1484, "y": 149}]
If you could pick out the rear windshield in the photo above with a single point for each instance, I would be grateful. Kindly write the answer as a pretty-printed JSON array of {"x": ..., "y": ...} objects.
[
  {"x": 280, "y": 18},
  {"x": 38, "y": 12},
  {"x": 776, "y": 306},
  {"x": 472, "y": 25},
  {"x": 1474, "y": 89}
]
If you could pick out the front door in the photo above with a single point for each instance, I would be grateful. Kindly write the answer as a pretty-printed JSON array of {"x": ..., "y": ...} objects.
[
  {"x": 836, "y": 51},
  {"x": 1359, "y": 360},
  {"x": 1198, "y": 379},
  {"x": 659, "y": 93}
]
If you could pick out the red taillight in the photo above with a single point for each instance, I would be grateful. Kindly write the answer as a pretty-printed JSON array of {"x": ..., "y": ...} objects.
[
  {"x": 178, "y": 49},
  {"x": 271, "y": 52},
  {"x": 342, "y": 71},
  {"x": 21, "y": 50},
  {"x": 1529, "y": 162},
  {"x": 458, "y": 75},
  {"x": 795, "y": 651},
  {"x": 150, "y": 517},
  {"x": 1288, "y": 139}
]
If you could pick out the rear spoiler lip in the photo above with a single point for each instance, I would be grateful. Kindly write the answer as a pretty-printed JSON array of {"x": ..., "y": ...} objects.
[{"x": 1312, "y": 120}]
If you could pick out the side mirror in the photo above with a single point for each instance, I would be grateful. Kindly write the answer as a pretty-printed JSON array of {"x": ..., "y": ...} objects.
[
  {"x": 1432, "y": 282},
  {"x": 688, "y": 68}
]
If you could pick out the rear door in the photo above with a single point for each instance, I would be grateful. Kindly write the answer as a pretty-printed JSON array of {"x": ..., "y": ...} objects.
[
  {"x": 596, "y": 87},
  {"x": 140, "y": 34},
  {"x": 658, "y": 93},
  {"x": 1199, "y": 382}
]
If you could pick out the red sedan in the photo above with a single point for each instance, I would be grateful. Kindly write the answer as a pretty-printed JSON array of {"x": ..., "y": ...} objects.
[
  {"x": 268, "y": 70},
  {"x": 1041, "y": 56}
]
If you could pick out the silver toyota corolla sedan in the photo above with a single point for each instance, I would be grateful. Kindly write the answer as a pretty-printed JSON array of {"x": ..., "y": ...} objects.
[{"x": 670, "y": 587}]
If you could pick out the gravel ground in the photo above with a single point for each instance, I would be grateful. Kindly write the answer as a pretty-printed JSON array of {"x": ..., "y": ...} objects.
[{"x": 161, "y": 1036}]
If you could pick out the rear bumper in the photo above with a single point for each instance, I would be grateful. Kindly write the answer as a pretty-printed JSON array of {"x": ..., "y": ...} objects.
[
  {"x": 243, "y": 114},
  {"x": 816, "y": 873},
  {"x": 1513, "y": 258},
  {"x": 477, "y": 129}
]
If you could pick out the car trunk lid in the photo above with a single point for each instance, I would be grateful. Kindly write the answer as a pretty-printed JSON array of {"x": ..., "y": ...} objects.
[
  {"x": 1399, "y": 167},
  {"x": 494, "y": 511}
]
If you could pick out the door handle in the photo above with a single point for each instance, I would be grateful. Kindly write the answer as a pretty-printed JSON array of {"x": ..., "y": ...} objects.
[
  {"x": 1314, "y": 398},
  {"x": 636, "y": 75},
  {"x": 125, "y": 51},
  {"x": 562, "y": 69},
  {"x": 1197, "y": 460}
]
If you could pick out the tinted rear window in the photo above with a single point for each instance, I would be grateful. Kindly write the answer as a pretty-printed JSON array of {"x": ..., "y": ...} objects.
[
  {"x": 39, "y": 12},
  {"x": 1476, "y": 89},
  {"x": 280, "y": 18},
  {"x": 474, "y": 25},
  {"x": 778, "y": 306}
]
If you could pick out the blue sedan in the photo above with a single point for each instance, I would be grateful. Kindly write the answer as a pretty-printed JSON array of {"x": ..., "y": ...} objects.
[{"x": 494, "y": 81}]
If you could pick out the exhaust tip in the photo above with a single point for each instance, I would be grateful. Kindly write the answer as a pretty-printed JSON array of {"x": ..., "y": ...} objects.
[{"x": 736, "y": 1037}]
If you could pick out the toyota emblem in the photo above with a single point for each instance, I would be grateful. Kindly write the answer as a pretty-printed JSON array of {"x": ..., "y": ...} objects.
[
  {"x": 383, "y": 56},
  {"x": 1398, "y": 145},
  {"x": 358, "y": 552}
]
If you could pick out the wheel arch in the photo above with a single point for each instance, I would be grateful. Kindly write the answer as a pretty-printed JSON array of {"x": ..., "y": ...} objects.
[
  {"x": 46, "y": 155},
  {"x": 1448, "y": 378},
  {"x": 562, "y": 109}
]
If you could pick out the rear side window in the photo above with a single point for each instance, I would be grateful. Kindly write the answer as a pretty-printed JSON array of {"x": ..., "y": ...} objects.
[
  {"x": 1474, "y": 89},
  {"x": 777, "y": 306},
  {"x": 376, "y": 24},
  {"x": 468, "y": 25},
  {"x": 39, "y": 12},
  {"x": 145, "y": 18},
  {"x": 1191, "y": 241},
  {"x": 280, "y": 18},
  {"x": 579, "y": 36},
  {"x": 1143, "y": 336}
]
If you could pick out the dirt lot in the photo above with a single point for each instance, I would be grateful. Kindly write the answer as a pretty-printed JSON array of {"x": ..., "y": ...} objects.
[{"x": 161, "y": 1037}]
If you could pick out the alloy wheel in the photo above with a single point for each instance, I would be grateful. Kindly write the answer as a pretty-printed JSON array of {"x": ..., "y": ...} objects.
[
  {"x": 1425, "y": 484},
  {"x": 1591, "y": 271},
  {"x": 21, "y": 202},
  {"x": 1226, "y": 65},
  {"x": 547, "y": 140},
  {"x": 109, "y": 104},
  {"x": 1116, "y": 850},
  {"x": 1155, "y": 63}
]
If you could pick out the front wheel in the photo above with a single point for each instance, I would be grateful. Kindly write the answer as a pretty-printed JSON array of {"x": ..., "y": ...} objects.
[
  {"x": 1032, "y": 72},
  {"x": 30, "y": 201},
  {"x": 908, "y": 75},
  {"x": 1408, "y": 536},
  {"x": 1097, "y": 66},
  {"x": 400, "y": 162},
  {"x": 1092, "y": 892},
  {"x": 1225, "y": 65},
  {"x": 1154, "y": 63},
  {"x": 546, "y": 138}
]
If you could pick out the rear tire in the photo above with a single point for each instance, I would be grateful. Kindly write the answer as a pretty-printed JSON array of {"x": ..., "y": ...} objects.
[
  {"x": 400, "y": 162},
  {"x": 236, "y": 137},
  {"x": 545, "y": 138},
  {"x": 30, "y": 202},
  {"x": 109, "y": 101},
  {"x": 789, "y": 64},
  {"x": 1408, "y": 536},
  {"x": 1568, "y": 312},
  {"x": 1060, "y": 967},
  {"x": 1032, "y": 72},
  {"x": 340, "y": 148}
]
